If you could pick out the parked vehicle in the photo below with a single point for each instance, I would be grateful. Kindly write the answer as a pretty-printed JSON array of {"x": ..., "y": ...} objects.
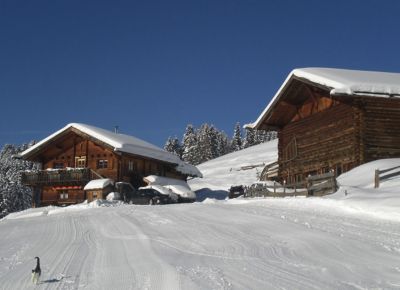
[
  {"x": 179, "y": 187},
  {"x": 236, "y": 191},
  {"x": 154, "y": 194},
  {"x": 126, "y": 190}
]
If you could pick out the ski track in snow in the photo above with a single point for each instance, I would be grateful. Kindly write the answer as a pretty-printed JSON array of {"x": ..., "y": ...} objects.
[{"x": 270, "y": 244}]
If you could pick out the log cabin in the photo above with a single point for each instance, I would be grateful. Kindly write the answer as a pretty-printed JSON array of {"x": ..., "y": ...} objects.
[
  {"x": 79, "y": 153},
  {"x": 333, "y": 120}
]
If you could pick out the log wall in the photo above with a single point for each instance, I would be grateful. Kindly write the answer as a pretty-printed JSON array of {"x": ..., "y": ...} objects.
[
  {"x": 319, "y": 143},
  {"x": 381, "y": 133},
  {"x": 92, "y": 153}
]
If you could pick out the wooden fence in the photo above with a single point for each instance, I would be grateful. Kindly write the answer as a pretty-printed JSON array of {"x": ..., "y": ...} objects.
[
  {"x": 381, "y": 176},
  {"x": 316, "y": 185},
  {"x": 270, "y": 171}
]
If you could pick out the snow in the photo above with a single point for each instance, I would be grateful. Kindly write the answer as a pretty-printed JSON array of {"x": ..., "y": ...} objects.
[
  {"x": 159, "y": 188},
  {"x": 223, "y": 172},
  {"x": 341, "y": 81},
  {"x": 98, "y": 184},
  {"x": 179, "y": 187},
  {"x": 123, "y": 143},
  {"x": 113, "y": 196},
  {"x": 348, "y": 240},
  {"x": 350, "y": 82}
]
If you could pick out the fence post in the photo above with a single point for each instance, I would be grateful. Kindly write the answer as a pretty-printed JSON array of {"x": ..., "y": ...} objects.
[
  {"x": 274, "y": 187},
  {"x": 284, "y": 187},
  {"x": 376, "y": 178}
]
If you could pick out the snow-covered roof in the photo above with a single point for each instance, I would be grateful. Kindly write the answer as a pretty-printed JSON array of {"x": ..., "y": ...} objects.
[
  {"x": 98, "y": 184},
  {"x": 123, "y": 143},
  {"x": 341, "y": 82}
]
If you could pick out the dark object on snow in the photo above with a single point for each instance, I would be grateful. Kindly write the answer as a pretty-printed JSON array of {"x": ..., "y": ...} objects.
[
  {"x": 151, "y": 196},
  {"x": 127, "y": 191},
  {"x": 236, "y": 191},
  {"x": 36, "y": 272}
]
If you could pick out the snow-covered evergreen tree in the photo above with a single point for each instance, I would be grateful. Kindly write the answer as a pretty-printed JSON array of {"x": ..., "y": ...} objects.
[
  {"x": 13, "y": 195},
  {"x": 236, "y": 143},
  {"x": 207, "y": 141},
  {"x": 250, "y": 138},
  {"x": 264, "y": 136},
  {"x": 222, "y": 143},
  {"x": 173, "y": 146},
  {"x": 190, "y": 148}
]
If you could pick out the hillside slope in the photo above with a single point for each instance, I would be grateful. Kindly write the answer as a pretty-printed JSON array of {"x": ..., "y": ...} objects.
[
  {"x": 347, "y": 240},
  {"x": 293, "y": 243},
  {"x": 220, "y": 173}
]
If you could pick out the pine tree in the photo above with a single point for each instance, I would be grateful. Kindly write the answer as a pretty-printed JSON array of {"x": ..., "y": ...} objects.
[
  {"x": 169, "y": 147},
  {"x": 173, "y": 146},
  {"x": 250, "y": 138},
  {"x": 236, "y": 143},
  {"x": 13, "y": 195},
  {"x": 264, "y": 136},
  {"x": 204, "y": 143},
  {"x": 222, "y": 143},
  {"x": 190, "y": 149}
]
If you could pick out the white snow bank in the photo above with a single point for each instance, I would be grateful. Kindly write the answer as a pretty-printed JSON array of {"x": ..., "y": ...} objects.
[
  {"x": 113, "y": 196},
  {"x": 223, "y": 172},
  {"x": 179, "y": 187},
  {"x": 356, "y": 193},
  {"x": 51, "y": 210},
  {"x": 98, "y": 184}
]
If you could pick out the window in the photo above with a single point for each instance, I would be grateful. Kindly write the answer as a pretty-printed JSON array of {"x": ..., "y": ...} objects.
[
  {"x": 80, "y": 162},
  {"x": 131, "y": 166},
  {"x": 102, "y": 163},
  {"x": 63, "y": 194},
  {"x": 290, "y": 151},
  {"x": 58, "y": 165},
  {"x": 299, "y": 178},
  {"x": 94, "y": 195}
]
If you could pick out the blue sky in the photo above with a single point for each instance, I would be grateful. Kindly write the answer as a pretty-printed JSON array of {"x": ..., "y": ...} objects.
[{"x": 152, "y": 67}]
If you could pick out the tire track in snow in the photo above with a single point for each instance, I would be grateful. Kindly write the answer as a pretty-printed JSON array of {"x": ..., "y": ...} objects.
[
  {"x": 151, "y": 271},
  {"x": 250, "y": 254}
]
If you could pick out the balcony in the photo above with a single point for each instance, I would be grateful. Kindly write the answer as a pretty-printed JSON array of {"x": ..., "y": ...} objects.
[{"x": 69, "y": 176}]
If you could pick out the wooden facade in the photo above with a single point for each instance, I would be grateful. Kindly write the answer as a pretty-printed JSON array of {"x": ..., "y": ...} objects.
[
  {"x": 98, "y": 193},
  {"x": 72, "y": 158},
  {"x": 321, "y": 132}
]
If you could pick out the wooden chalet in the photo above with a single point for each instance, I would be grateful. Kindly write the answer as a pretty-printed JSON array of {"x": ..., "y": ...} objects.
[
  {"x": 333, "y": 120},
  {"x": 79, "y": 153}
]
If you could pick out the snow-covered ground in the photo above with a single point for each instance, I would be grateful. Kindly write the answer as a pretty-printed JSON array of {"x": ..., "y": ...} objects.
[
  {"x": 342, "y": 241},
  {"x": 221, "y": 173}
]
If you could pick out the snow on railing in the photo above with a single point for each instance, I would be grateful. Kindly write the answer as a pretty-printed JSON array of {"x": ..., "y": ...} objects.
[{"x": 380, "y": 177}]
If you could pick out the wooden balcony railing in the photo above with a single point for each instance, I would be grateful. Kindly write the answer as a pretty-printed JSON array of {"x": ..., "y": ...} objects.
[{"x": 70, "y": 176}]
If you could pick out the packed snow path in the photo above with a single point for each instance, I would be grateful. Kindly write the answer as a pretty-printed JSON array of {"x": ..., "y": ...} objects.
[{"x": 290, "y": 243}]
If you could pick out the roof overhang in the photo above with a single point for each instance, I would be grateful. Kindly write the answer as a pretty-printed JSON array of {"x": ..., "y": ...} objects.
[{"x": 338, "y": 84}]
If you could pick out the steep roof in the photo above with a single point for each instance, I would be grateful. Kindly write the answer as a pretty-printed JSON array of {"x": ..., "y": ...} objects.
[
  {"x": 122, "y": 143},
  {"x": 339, "y": 82}
]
